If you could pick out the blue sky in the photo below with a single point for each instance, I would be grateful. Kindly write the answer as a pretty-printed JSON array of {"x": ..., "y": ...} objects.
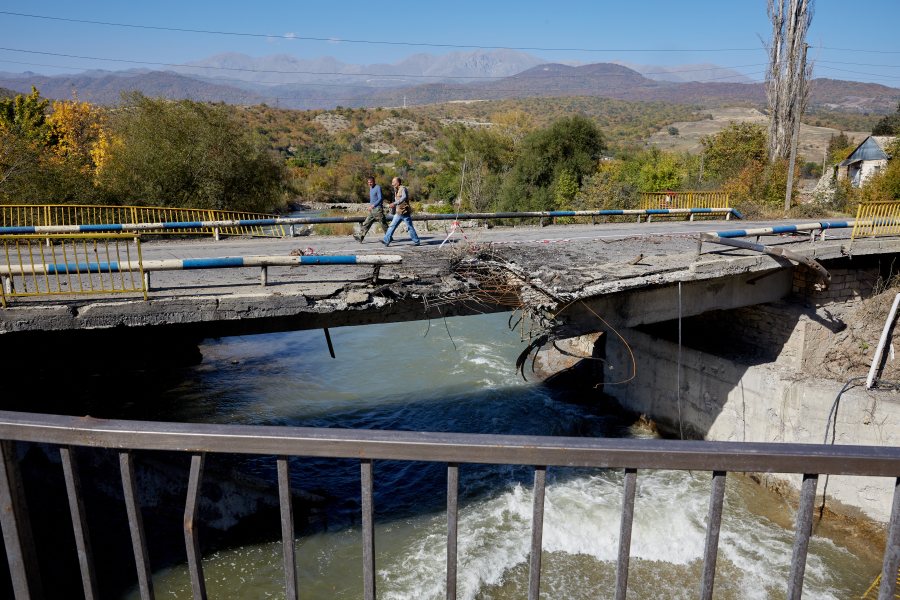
[{"x": 845, "y": 44}]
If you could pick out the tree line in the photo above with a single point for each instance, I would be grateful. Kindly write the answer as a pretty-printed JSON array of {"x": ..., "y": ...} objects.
[{"x": 182, "y": 153}]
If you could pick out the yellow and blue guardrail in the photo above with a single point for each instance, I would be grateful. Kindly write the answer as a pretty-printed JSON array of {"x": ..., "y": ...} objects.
[
  {"x": 91, "y": 263},
  {"x": 685, "y": 199},
  {"x": 777, "y": 229},
  {"x": 70, "y": 264},
  {"x": 43, "y": 215},
  {"x": 281, "y": 222}
]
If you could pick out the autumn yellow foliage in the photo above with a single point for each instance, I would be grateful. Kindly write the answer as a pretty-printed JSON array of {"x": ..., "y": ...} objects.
[{"x": 77, "y": 128}]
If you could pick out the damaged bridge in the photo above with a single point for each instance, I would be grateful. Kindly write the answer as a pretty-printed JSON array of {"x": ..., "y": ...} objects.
[{"x": 571, "y": 278}]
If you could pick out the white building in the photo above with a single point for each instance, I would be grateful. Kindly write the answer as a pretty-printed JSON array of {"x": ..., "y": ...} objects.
[{"x": 869, "y": 157}]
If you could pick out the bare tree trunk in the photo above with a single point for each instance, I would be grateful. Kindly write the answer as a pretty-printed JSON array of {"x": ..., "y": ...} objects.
[
  {"x": 787, "y": 80},
  {"x": 773, "y": 75}
]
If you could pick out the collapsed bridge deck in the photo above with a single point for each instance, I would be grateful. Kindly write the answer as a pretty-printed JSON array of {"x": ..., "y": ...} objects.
[{"x": 627, "y": 273}]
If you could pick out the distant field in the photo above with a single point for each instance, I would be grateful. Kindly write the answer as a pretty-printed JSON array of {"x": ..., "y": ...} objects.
[{"x": 813, "y": 140}]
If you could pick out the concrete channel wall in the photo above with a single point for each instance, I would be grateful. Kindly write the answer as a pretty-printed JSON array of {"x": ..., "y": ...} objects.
[{"x": 723, "y": 400}]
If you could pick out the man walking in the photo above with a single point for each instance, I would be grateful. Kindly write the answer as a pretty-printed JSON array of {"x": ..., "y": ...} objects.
[
  {"x": 376, "y": 210},
  {"x": 402, "y": 211}
]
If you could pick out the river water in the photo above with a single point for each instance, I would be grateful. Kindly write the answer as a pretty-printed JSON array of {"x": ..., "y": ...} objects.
[{"x": 458, "y": 375}]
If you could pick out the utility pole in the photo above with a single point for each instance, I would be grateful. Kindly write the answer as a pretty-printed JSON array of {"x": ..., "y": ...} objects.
[{"x": 794, "y": 135}]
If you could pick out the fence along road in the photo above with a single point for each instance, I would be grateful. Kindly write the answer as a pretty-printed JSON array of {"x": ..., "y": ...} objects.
[{"x": 127, "y": 438}]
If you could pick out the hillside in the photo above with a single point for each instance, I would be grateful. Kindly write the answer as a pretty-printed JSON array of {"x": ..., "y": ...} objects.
[
  {"x": 311, "y": 85},
  {"x": 107, "y": 89},
  {"x": 615, "y": 81},
  {"x": 811, "y": 146}
]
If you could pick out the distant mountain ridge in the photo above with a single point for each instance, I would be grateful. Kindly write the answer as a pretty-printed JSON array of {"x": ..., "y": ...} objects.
[
  {"x": 324, "y": 83},
  {"x": 283, "y": 69},
  {"x": 107, "y": 88},
  {"x": 685, "y": 73}
]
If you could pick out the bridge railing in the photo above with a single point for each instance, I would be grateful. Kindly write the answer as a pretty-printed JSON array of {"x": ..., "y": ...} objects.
[
  {"x": 877, "y": 219},
  {"x": 281, "y": 443},
  {"x": 685, "y": 199},
  {"x": 48, "y": 215},
  {"x": 279, "y": 225},
  {"x": 46, "y": 265}
]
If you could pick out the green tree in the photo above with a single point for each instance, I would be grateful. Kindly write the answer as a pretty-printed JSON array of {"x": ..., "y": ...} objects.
[
  {"x": 33, "y": 169},
  {"x": 889, "y": 125},
  {"x": 608, "y": 187},
  {"x": 565, "y": 188},
  {"x": 26, "y": 116},
  {"x": 472, "y": 163},
  {"x": 728, "y": 152},
  {"x": 188, "y": 154},
  {"x": 572, "y": 144},
  {"x": 660, "y": 171},
  {"x": 839, "y": 147}
]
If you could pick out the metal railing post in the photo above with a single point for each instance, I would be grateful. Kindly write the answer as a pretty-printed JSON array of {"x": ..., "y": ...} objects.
[
  {"x": 368, "y": 531},
  {"x": 191, "y": 534},
  {"x": 287, "y": 529},
  {"x": 79, "y": 523},
  {"x": 801, "y": 536},
  {"x": 136, "y": 526},
  {"x": 713, "y": 526},
  {"x": 625, "y": 533},
  {"x": 452, "y": 527},
  {"x": 17, "y": 535},
  {"x": 537, "y": 532},
  {"x": 891, "y": 562}
]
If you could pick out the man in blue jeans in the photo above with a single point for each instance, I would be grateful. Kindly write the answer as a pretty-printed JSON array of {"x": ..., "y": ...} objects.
[
  {"x": 376, "y": 209},
  {"x": 403, "y": 211}
]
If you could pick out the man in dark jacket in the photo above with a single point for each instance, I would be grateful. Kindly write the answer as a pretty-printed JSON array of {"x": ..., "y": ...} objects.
[{"x": 376, "y": 210}]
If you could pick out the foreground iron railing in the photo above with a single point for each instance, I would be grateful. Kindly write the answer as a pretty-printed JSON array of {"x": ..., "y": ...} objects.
[{"x": 366, "y": 445}]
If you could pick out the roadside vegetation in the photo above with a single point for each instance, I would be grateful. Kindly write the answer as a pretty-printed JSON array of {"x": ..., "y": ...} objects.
[{"x": 506, "y": 155}]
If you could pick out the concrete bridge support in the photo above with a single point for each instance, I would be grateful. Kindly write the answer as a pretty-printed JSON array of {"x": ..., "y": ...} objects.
[{"x": 752, "y": 374}]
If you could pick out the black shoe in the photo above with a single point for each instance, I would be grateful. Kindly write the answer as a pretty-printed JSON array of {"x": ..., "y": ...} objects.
[
  {"x": 386, "y": 244},
  {"x": 417, "y": 243}
]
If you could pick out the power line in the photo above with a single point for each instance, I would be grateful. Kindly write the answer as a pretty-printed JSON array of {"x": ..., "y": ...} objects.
[
  {"x": 838, "y": 62},
  {"x": 291, "y": 36},
  {"x": 860, "y": 73},
  {"x": 860, "y": 50}
]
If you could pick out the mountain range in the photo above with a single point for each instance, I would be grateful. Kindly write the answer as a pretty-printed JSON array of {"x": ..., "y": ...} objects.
[{"x": 324, "y": 83}]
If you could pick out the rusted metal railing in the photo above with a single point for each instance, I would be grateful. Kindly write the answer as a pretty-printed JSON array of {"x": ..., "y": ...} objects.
[
  {"x": 686, "y": 199},
  {"x": 128, "y": 438},
  {"x": 46, "y": 265}
]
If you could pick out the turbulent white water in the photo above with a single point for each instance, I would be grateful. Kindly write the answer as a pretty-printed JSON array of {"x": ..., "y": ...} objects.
[{"x": 392, "y": 377}]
